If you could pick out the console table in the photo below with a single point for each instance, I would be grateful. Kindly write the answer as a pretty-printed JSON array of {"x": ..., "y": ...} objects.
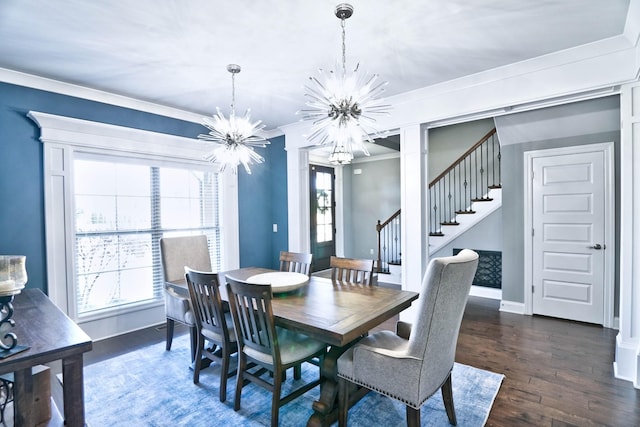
[{"x": 51, "y": 335}]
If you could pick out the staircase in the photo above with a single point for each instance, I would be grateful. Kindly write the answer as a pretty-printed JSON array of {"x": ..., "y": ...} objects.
[
  {"x": 460, "y": 197},
  {"x": 389, "y": 244},
  {"x": 466, "y": 192},
  {"x": 464, "y": 222}
]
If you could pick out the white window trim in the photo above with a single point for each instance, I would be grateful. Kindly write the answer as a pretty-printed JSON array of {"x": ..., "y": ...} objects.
[{"x": 61, "y": 137}]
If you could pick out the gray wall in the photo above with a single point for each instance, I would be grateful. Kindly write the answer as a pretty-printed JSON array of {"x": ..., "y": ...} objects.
[
  {"x": 587, "y": 122},
  {"x": 347, "y": 175},
  {"x": 374, "y": 195},
  {"x": 448, "y": 143}
]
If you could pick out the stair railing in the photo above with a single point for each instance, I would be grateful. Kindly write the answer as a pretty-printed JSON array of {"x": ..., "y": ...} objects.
[
  {"x": 467, "y": 180},
  {"x": 389, "y": 243}
]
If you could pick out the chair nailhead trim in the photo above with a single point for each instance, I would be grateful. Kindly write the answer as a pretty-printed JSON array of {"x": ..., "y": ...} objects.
[{"x": 377, "y": 390}]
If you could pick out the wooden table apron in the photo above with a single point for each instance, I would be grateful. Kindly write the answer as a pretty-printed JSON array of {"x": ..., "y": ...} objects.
[
  {"x": 336, "y": 313},
  {"x": 51, "y": 335}
]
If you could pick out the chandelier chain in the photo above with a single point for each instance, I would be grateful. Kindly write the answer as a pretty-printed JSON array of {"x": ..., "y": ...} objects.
[
  {"x": 233, "y": 94},
  {"x": 344, "y": 48}
]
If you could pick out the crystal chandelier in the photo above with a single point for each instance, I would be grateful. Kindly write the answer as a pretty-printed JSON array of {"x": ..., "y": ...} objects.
[
  {"x": 235, "y": 136},
  {"x": 344, "y": 105}
]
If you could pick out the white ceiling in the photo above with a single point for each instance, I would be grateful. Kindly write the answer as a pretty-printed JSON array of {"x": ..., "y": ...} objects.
[{"x": 175, "y": 52}]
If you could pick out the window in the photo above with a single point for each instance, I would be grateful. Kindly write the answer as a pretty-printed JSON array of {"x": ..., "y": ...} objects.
[
  {"x": 121, "y": 212},
  {"x": 110, "y": 194}
]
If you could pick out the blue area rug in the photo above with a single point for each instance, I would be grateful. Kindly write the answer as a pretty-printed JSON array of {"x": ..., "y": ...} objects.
[{"x": 154, "y": 387}]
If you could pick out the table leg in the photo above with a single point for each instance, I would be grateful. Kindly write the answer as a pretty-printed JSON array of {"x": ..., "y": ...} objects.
[
  {"x": 73, "y": 390},
  {"x": 23, "y": 397},
  {"x": 326, "y": 408}
]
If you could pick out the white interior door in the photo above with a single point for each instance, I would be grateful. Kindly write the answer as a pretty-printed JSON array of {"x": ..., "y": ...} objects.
[{"x": 569, "y": 235}]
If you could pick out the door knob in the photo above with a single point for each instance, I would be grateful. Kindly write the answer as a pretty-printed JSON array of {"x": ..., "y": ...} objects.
[{"x": 596, "y": 246}]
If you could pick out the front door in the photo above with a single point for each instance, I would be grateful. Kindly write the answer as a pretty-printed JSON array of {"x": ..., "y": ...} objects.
[
  {"x": 322, "y": 209},
  {"x": 569, "y": 235}
]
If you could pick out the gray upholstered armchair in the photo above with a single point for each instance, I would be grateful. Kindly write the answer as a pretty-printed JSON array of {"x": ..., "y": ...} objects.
[
  {"x": 415, "y": 362},
  {"x": 178, "y": 252}
]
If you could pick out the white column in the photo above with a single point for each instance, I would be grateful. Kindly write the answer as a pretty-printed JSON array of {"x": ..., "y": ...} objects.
[
  {"x": 627, "y": 360},
  {"x": 298, "y": 192},
  {"x": 413, "y": 204}
]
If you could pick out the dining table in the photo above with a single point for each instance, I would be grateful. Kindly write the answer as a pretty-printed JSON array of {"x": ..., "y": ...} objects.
[{"x": 337, "y": 313}]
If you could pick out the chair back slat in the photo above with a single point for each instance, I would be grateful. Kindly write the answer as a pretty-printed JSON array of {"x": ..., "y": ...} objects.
[
  {"x": 296, "y": 262},
  {"x": 204, "y": 291},
  {"x": 359, "y": 271},
  {"x": 253, "y": 317}
]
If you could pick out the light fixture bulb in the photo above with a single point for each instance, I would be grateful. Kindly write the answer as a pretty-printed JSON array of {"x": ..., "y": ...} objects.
[{"x": 340, "y": 155}]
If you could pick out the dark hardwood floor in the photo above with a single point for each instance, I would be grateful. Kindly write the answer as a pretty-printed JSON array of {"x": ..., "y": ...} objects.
[{"x": 557, "y": 373}]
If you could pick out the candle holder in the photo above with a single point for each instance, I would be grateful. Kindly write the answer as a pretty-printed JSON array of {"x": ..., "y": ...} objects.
[{"x": 13, "y": 277}]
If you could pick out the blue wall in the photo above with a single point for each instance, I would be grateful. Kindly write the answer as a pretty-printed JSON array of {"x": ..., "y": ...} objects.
[
  {"x": 21, "y": 176},
  {"x": 264, "y": 203}
]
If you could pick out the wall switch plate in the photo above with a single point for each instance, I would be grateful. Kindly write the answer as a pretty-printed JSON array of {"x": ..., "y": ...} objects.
[{"x": 275, "y": 228}]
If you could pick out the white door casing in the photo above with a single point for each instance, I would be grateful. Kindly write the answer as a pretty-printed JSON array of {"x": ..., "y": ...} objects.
[{"x": 569, "y": 250}]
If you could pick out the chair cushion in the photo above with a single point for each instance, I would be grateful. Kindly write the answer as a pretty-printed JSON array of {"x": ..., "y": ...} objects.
[
  {"x": 379, "y": 340},
  {"x": 380, "y": 362},
  {"x": 294, "y": 347}
]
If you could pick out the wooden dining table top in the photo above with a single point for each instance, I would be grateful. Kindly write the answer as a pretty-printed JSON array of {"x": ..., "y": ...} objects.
[{"x": 330, "y": 311}]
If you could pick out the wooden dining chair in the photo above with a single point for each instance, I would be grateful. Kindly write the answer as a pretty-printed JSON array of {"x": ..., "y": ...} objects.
[
  {"x": 176, "y": 253},
  {"x": 271, "y": 348},
  {"x": 296, "y": 262},
  {"x": 213, "y": 325},
  {"x": 416, "y": 361},
  {"x": 352, "y": 270}
]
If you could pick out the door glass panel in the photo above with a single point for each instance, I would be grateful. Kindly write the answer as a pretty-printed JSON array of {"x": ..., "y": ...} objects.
[{"x": 324, "y": 217}]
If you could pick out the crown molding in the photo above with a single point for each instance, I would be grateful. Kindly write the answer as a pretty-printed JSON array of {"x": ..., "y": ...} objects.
[{"x": 42, "y": 83}]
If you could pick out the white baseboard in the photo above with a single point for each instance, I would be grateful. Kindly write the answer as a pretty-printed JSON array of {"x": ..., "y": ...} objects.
[
  {"x": 627, "y": 363},
  {"x": 484, "y": 292},
  {"x": 512, "y": 307}
]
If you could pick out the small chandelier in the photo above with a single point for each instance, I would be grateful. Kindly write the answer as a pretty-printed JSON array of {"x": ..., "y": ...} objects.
[
  {"x": 343, "y": 106},
  {"x": 236, "y": 136},
  {"x": 340, "y": 155}
]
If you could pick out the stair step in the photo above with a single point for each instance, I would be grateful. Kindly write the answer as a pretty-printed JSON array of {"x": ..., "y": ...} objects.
[
  {"x": 494, "y": 187},
  {"x": 436, "y": 234},
  {"x": 482, "y": 199},
  {"x": 450, "y": 223},
  {"x": 465, "y": 212}
]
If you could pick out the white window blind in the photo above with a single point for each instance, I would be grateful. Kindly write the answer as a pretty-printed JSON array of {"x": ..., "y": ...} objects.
[{"x": 122, "y": 209}]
